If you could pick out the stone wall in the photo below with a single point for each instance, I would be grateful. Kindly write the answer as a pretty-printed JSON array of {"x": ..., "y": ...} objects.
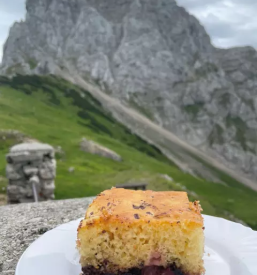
[{"x": 30, "y": 169}]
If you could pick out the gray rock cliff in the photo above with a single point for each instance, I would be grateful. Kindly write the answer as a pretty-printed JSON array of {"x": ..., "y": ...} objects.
[{"x": 153, "y": 56}]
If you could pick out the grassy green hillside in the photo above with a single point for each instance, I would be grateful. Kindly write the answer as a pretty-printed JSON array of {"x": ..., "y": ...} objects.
[{"x": 55, "y": 111}]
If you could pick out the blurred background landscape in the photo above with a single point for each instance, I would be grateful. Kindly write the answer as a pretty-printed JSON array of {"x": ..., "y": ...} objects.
[{"x": 144, "y": 80}]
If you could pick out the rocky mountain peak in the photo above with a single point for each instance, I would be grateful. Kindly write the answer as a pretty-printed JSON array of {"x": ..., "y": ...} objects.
[{"x": 154, "y": 57}]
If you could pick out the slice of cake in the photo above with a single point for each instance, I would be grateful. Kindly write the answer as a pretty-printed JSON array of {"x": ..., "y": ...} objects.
[{"x": 141, "y": 232}]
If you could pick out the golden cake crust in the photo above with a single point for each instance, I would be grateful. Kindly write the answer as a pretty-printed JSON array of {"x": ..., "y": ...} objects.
[
  {"x": 121, "y": 205},
  {"x": 126, "y": 229}
]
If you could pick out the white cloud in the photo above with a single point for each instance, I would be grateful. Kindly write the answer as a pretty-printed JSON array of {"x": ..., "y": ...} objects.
[{"x": 229, "y": 22}]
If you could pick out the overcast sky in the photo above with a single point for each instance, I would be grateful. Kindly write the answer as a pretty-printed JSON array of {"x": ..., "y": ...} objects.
[{"x": 229, "y": 22}]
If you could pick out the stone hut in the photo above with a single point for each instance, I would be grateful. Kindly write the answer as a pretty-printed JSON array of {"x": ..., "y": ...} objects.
[{"x": 30, "y": 170}]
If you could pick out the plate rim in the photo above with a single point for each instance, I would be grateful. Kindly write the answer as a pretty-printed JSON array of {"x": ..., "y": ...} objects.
[{"x": 222, "y": 220}]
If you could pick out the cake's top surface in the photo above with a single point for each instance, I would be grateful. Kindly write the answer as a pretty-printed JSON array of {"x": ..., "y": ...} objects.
[{"x": 121, "y": 205}]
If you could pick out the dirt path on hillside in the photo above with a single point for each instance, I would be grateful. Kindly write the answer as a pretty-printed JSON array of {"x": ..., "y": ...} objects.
[{"x": 155, "y": 134}]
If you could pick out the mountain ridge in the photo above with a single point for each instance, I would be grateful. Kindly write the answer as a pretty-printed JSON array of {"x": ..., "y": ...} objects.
[{"x": 152, "y": 56}]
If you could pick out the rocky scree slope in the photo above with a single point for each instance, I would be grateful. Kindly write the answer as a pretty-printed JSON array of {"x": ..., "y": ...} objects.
[{"x": 153, "y": 56}]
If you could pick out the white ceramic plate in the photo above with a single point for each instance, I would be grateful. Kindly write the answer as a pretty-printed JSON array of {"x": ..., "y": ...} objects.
[{"x": 230, "y": 249}]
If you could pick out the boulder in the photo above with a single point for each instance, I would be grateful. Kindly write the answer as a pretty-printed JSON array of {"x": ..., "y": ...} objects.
[{"x": 92, "y": 147}]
